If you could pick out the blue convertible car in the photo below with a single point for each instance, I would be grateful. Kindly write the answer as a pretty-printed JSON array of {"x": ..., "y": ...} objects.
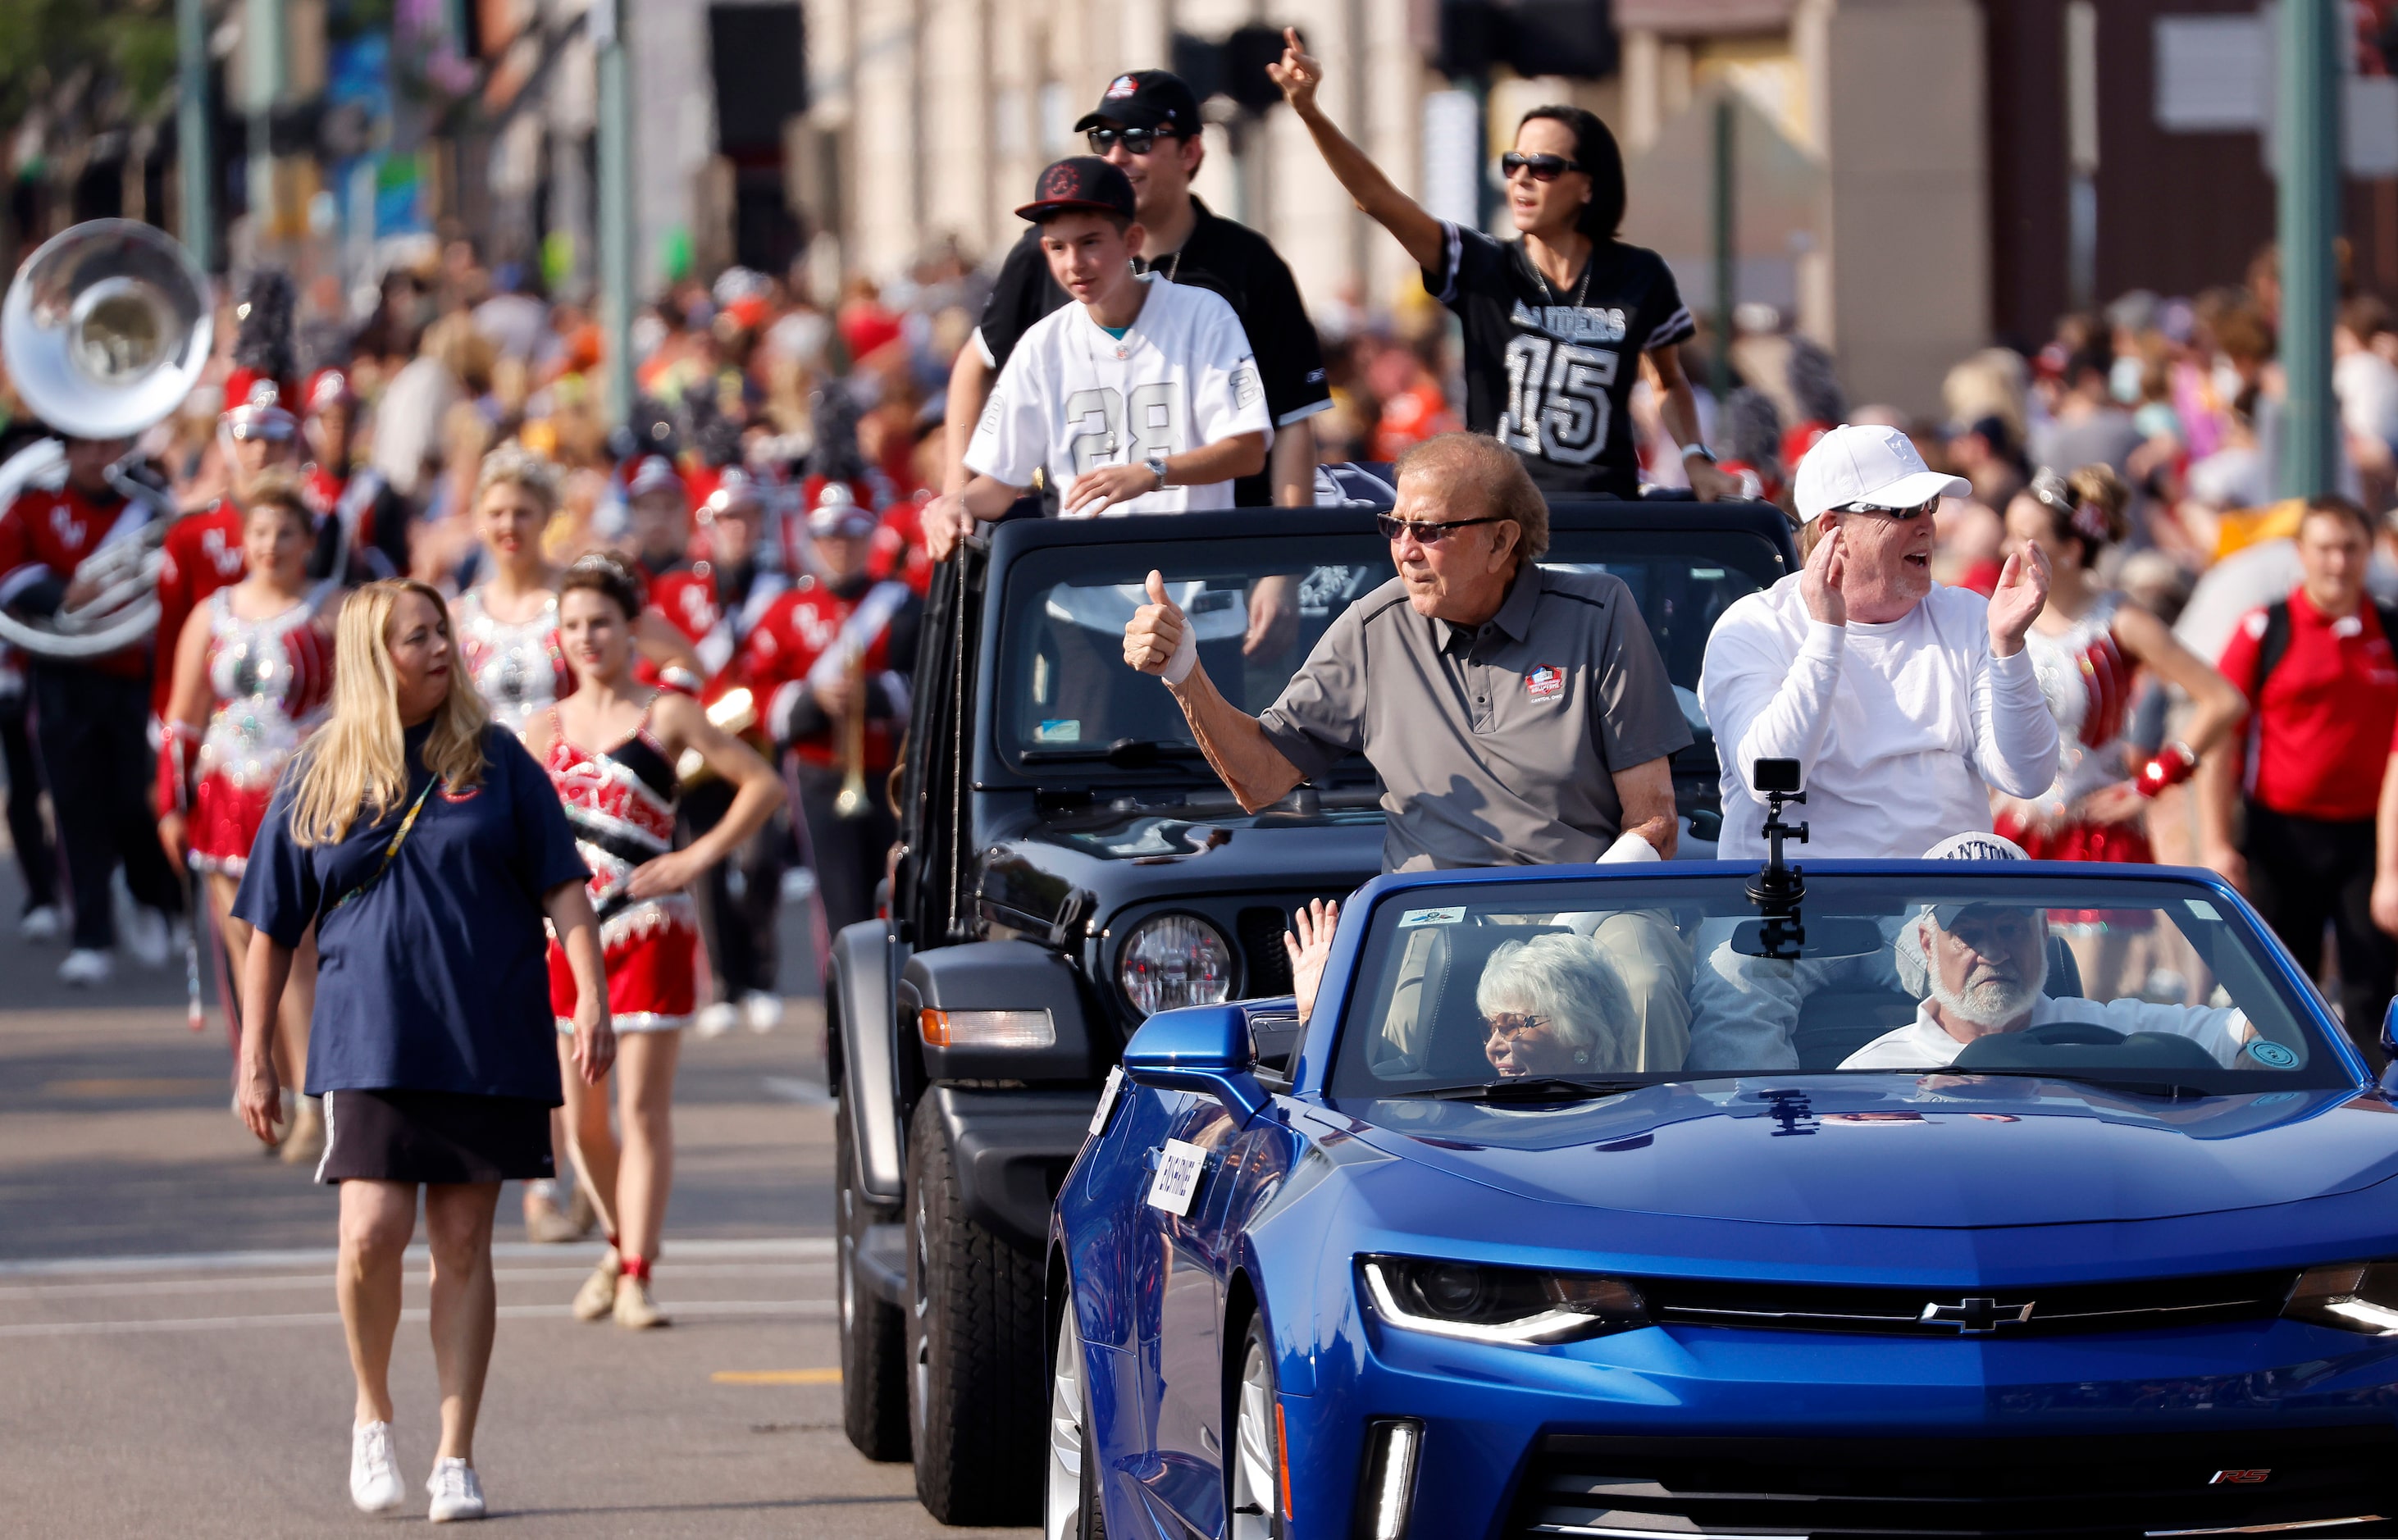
[{"x": 1937, "y": 1198}]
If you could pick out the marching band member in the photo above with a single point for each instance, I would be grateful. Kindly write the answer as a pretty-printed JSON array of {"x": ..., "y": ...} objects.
[
  {"x": 838, "y": 641},
  {"x": 91, "y": 716},
  {"x": 364, "y": 519},
  {"x": 251, "y": 676},
  {"x": 621, "y": 800}
]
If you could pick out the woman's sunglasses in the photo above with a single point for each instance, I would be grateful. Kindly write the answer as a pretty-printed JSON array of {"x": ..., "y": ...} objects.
[
  {"x": 1138, "y": 141},
  {"x": 1425, "y": 534},
  {"x": 1543, "y": 168}
]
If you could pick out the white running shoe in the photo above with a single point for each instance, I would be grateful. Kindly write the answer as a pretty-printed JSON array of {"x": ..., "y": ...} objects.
[
  {"x": 375, "y": 1485},
  {"x": 717, "y": 1020},
  {"x": 762, "y": 1011},
  {"x": 41, "y": 924},
  {"x": 87, "y": 968},
  {"x": 148, "y": 937},
  {"x": 456, "y": 1493}
]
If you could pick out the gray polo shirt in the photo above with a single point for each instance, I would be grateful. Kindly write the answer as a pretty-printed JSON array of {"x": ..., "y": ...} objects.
[{"x": 1496, "y": 745}]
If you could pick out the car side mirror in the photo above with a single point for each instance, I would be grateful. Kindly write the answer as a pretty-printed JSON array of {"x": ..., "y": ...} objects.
[{"x": 1204, "y": 1048}]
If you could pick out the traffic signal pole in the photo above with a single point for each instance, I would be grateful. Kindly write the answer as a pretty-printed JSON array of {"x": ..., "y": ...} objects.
[
  {"x": 194, "y": 155},
  {"x": 616, "y": 213},
  {"x": 2307, "y": 103}
]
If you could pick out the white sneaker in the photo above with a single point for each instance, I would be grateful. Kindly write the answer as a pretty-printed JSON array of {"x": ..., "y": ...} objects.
[
  {"x": 762, "y": 1011},
  {"x": 717, "y": 1020},
  {"x": 456, "y": 1493},
  {"x": 42, "y": 923},
  {"x": 87, "y": 968},
  {"x": 148, "y": 937},
  {"x": 375, "y": 1485}
]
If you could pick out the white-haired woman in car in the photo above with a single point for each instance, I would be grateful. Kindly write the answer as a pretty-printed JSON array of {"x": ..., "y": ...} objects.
[{"x": 1552, "y": 1005}]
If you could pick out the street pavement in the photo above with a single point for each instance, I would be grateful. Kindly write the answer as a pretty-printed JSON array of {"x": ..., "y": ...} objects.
[{"x": 172, "y": 1360}]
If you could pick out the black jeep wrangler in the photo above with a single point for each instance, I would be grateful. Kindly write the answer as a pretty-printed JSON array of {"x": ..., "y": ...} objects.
[{"x": 1069, "y": 864}]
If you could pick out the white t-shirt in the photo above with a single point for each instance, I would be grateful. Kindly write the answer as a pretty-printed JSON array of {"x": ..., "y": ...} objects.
[
  {"x": 1074, "y": 398},
  {"x": 1923, "y": 1044},
  {"x": 1900, "y": 728}
]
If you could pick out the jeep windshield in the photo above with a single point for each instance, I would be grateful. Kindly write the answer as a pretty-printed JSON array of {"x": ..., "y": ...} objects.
[
  {"x": 1065, "y": 697},
  {"x": 1544, "y": 989}
]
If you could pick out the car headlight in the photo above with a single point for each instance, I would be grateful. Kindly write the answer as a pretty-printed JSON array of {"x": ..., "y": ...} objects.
[
  {"x": 2352, "y": 1296},
  {"x": 1510, "y": 1305},
  {"x": 1175, "y": 960}
]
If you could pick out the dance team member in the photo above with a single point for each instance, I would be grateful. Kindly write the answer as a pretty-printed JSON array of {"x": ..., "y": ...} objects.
[
  {"x": 251, "y": 676},
  {"x": 611, "y": 748},
  {"x": 426, "y": 848}
]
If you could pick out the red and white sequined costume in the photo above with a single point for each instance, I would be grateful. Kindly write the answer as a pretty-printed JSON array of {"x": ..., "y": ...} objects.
[
  {"x": 270, "y": 680},
  {"x": 622, "y": 804},
  {"x": 519, "y": 668},
  {"x": 2087, "y": 679}
]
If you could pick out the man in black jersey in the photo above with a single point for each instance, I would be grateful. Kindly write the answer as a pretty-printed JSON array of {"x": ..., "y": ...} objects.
[
  {"x": 1556, "y": 323},
  {"x": 1147, "y": 125}
]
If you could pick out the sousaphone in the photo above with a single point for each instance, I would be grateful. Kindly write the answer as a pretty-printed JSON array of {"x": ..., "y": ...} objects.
[{"x": 105, "y": 331}]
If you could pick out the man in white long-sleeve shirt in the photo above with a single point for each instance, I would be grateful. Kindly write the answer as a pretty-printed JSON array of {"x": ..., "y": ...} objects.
[{"x": 1903, "y": 701}]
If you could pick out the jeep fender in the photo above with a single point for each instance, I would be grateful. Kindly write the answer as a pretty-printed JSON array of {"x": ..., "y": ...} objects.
[{"x": 866, "y": 964}]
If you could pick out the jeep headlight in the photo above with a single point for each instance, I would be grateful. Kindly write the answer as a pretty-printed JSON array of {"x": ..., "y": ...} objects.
[
  {"x": 1512, "y": 1306},
  {"x": 2352, "y": 1296},
  {"x": 1175, "y": 960}
]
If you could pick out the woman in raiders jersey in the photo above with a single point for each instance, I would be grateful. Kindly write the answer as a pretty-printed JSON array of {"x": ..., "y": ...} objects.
[{"x": 1555, "y": 323}]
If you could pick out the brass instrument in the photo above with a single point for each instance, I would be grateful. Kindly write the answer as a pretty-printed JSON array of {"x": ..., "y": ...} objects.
[
  {"x": 736, "y": 712},
  {"x": 850, "y": 803},
  {"x": 105, "y": 331}
]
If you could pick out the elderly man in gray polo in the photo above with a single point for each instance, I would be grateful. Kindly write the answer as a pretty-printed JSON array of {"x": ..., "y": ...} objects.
[{"x": 1518, "y": 716}]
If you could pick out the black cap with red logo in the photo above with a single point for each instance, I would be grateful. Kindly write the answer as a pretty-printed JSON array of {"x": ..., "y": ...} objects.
[{"x": 1080, "y": 182}]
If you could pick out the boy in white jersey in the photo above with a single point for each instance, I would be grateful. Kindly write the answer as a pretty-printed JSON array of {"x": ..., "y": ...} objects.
[{"x": 1141, "y": 397}]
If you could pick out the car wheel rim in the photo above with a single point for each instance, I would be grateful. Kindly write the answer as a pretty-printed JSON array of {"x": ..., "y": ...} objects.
[
  {"x": 1064, "y": 1505},
  {"x": 845, "y": 1284},
  {"x": 921, "y": 1372},
  {"x": 1253, "y": 1460}
]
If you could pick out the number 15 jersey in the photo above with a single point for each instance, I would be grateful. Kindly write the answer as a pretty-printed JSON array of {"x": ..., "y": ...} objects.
[
  {"x": 1072, "y": 399},
  {"x": 1549, "y": 369}
]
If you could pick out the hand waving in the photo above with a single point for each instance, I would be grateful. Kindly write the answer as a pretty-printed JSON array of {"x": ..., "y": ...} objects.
[
  {"x": 2022, "y": 593},
  {"x": 1308, "y": 942}
]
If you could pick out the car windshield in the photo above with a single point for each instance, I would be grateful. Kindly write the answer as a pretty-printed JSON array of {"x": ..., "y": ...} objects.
[
  {"x": 1066, "y": 696},
  {"x": 1536, "y": 987}
]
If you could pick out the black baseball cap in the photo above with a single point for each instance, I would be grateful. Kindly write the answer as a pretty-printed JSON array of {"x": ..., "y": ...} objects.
[
  {"x": 1079, "y": 182},
  {"x": 1145, "y": 99}
]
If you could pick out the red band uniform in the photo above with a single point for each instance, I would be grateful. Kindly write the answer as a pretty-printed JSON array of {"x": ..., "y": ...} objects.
[{"x": 270, "y": 680}]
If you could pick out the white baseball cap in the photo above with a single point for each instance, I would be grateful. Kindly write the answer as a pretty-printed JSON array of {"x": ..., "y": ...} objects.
[{"x": 1871, "y": 465}]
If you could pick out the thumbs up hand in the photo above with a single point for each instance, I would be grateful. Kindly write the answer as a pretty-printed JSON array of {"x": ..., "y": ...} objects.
[{"x": 1159, "y": 639}]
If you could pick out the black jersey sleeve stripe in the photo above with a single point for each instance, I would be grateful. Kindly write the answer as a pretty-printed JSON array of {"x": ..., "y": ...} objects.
[
  {"x": 1453, "y": 256},
  {"x": 1303, "y": 413},
  {"x": 1673, "y": 329}
]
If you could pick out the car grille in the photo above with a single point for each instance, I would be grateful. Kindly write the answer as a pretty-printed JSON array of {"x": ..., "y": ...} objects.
[
  {"x": 2142, "y": 1305},
  {"x": 2097, "y": 1486}
]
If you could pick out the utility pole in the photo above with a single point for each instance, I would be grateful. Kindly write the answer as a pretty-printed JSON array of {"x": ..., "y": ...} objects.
[
  {"x": 615, "y": 202},
  {"x": 194, "y": 154},
  {"x": 1725, "y": 242},
  {"x": 2307, "y": 102},
  {"x": 269, "y": 68}
]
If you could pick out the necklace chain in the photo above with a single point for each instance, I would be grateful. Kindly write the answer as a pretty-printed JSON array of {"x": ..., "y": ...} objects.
[{"x": 1582, "y": 289}]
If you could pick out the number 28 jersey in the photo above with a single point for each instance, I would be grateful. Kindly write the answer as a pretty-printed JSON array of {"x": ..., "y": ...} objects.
[
  {"x": 1072, "y": 399},
  {"x": 1549, "y": 369}
]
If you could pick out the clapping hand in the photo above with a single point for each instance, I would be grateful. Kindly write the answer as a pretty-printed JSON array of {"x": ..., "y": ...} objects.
[
  {"x": 2022, "y": 593},
  {"x": 1819, "y": 581}
]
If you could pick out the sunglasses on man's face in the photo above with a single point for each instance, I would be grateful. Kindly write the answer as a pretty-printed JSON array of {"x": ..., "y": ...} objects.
[
  {"x": 1543, "y": 168},
  {"x": 1425, "y": 534},
  {"x": 1901, "y": 515},
  {"x": 1138, "y": 141}
]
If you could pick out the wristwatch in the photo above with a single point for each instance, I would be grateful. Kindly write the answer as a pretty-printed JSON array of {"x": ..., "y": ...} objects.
[
  {"x": 1698, "y": 452},
  {"x": 1156, "y": 464}
]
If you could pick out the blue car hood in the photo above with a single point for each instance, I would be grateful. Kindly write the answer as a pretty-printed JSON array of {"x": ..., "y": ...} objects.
[{"x": 1881, "y": 1150}]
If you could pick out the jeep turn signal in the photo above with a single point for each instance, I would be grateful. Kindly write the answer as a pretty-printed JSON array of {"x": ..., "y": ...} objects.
[{"x": 986, "y": 1029}]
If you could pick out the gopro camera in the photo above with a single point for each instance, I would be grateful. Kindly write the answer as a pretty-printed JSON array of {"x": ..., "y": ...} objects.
[{"x": 1771, "y": 776}]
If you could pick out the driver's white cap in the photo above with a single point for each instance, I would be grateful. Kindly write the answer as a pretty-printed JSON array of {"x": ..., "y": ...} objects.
[{"x": 1869, "y": 465}]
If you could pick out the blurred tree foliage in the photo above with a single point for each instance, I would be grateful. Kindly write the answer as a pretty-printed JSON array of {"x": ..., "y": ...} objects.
[{"x": 125, "y": 45}]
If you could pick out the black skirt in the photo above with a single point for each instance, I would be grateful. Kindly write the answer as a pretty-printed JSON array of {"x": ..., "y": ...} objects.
[{"x": 433, "y": 1136}]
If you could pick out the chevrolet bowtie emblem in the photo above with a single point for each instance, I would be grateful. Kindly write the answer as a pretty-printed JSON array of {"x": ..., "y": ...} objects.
[{"x": 1975, "y": 1317}]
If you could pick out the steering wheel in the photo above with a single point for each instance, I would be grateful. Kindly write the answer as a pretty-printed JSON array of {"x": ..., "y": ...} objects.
[{"x": 2054, "y": 1033}]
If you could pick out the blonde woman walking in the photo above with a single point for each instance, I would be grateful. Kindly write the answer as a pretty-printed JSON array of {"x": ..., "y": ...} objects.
[{"x": 426, "y": 847}]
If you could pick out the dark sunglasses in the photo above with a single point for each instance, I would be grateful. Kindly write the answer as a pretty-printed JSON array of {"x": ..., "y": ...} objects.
[
  {"x": 1425, "y": 534},
  {"x": 1543, "y": 168},
  {"x": 1901, "y": 515},
  {"x": 1138, "y": 141}
]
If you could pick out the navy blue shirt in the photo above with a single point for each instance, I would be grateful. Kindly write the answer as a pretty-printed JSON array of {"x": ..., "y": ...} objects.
[{"x": 436, "y": 978}]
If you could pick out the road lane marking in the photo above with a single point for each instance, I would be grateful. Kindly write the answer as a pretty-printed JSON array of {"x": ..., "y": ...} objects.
[
  {"x": 325, "y": 1280},
  {"x": 807, "y": 1093},
  {"x": 776, "y": 1376},
  {"x": 763, "y": 1248},
  {"x": 796, "y": 1309},
  {"x": 136, "y": 1087}
]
